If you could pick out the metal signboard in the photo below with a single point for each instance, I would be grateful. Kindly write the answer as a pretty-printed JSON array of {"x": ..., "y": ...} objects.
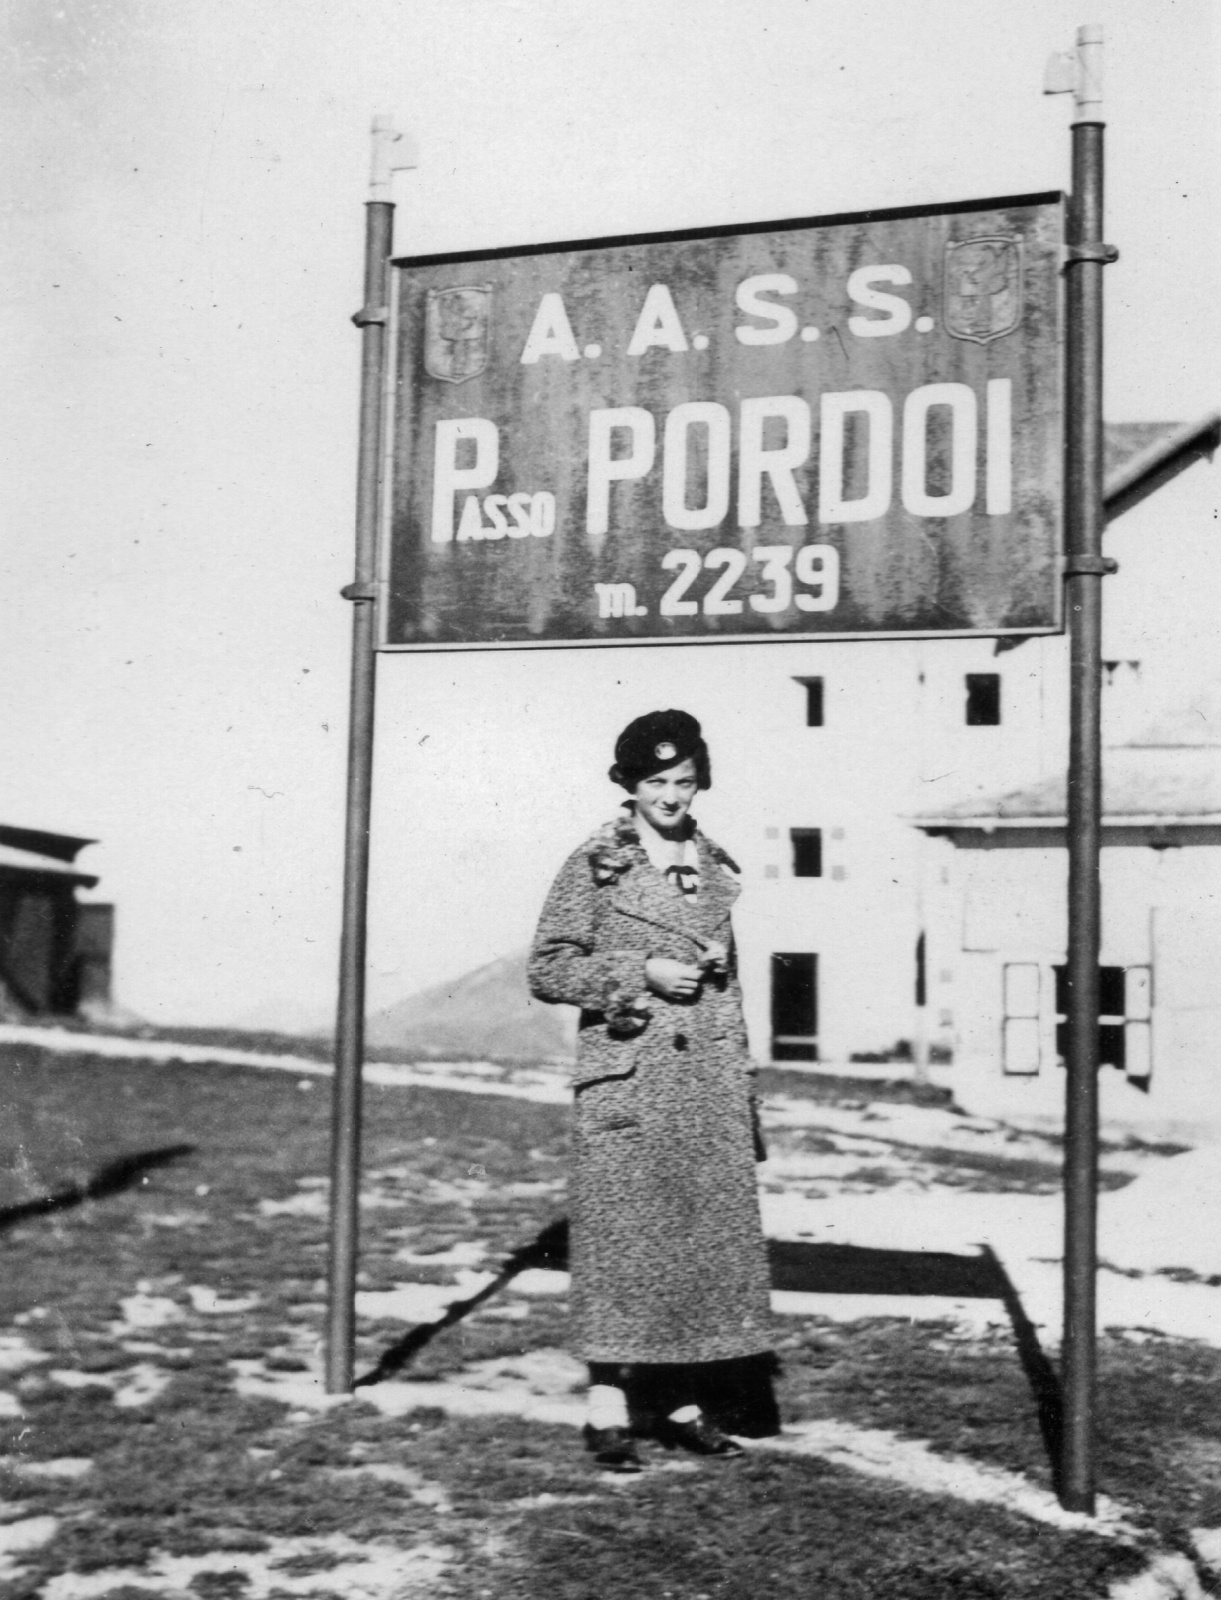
[{"x": 847, "y": 427}]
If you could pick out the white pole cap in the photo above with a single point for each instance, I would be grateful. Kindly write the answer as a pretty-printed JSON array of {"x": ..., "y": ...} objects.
[
  {"x": 393, "y": 151},
  {"x": 1079, "y": 73},
  {"x": 1088, "y": 91}
]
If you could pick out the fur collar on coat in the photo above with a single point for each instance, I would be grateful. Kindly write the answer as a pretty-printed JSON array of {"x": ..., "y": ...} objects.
[{"x": 616, "y": 848}]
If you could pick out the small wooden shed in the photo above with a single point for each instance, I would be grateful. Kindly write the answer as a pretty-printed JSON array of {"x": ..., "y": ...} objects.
[{"x": 55, "y": 951}]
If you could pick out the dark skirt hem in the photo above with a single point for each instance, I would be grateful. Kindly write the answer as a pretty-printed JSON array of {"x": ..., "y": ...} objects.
[{"x": 736, "y": 1395}]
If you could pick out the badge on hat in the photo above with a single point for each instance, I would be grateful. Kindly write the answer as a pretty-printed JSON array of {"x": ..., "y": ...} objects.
[{"x": 665, "y": 751}]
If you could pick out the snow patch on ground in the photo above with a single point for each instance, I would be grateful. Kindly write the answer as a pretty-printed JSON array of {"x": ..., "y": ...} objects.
[
  {"x": 210, "y": 1304},
  {"x": 877, "y": 1453},
  {"x": 396, "y": 1186},
  {"x": 895, "y": 1123},
  {"x": 464, "y": 1399},
  {"x": 975, "y": 1316},
  {"x": 1167, "y": 1577},
  {"x": 177, "y": 1219},
  {"x": 16, "y": 1352},
  {"x": 61, "y": 1467},
  {"x": 418, "y": 1302},
  {"x": 547, "y": 1371},
  {"x": 144, "y": 1310},
  {"x": 537, "y": 1386},
  {"x": 135, "y": 1386},
  {"x": 309, "y": 1203},
  {"x": 1207, "y": 1542},
  {"x": 421, "y": 1489},
  {"x": 29, "y": 1533},
  {"x": 881, "y": 1127},
  {"x": 1025, "y": 1232},
  {"x": 358, "y": 1571},
  {"x": 545, "y": 1501},
  {"x": 466, "y": 1253},
  {"x": 540, "y": 1281},
  {"x": 547, "y": 1386},
  {"x": 140, "y": 1385},
  {"x": 471, "y": 1077},
  {"x": 415, "y": 1303},
  {"x": 1169, "y": 1217}
]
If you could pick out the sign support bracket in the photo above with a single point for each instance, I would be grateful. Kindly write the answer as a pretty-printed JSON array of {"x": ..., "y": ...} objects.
[{"x": 392, "y": 151}]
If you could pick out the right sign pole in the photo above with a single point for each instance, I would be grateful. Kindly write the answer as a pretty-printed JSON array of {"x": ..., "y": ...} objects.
[{"x": 1085, "y": 567}]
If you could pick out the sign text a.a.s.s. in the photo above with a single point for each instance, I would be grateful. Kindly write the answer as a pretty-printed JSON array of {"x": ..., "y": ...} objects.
[{"x": 762, "y": 298}]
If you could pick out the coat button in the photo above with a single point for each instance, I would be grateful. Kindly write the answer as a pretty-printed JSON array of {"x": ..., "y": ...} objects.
[{"x": 680, "y": 1041}]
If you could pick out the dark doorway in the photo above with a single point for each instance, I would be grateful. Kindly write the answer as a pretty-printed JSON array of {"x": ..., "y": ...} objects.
[
  {"x": 794, "y": 1006},
  {"x": 983, "y": 699}
]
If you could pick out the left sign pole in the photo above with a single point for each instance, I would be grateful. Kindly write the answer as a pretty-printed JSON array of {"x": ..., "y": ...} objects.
[{"x": 391, "y": 150}]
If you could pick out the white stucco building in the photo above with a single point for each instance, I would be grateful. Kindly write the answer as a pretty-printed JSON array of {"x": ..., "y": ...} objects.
[
  {"x": 1002, "y": 909},
  {"x": 851, "y": 906},
  {"x": 837, "y": 877}
]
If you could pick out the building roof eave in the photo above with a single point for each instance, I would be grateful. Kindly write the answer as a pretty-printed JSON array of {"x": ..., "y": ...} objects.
[
  {"x": 25, "y": 864},
  {"x": 41, "y": 842},
  {"x": 1146, "y": 472},
  {"x": 992, "y": 824}
]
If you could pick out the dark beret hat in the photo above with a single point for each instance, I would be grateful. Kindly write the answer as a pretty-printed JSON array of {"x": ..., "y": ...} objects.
[{"x": 658, "y": 740}]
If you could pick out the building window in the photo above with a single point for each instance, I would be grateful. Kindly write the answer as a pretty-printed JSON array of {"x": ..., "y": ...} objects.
[
  {"x": 814, "y": 700},
  {"x": 807, "y": 852},
  {"x": 1125, "y": 1012},
  {"x": 983, "y": 699},
  {"x": 1020, "y": 1035},
  {"x": 1110, "y": 1015}
]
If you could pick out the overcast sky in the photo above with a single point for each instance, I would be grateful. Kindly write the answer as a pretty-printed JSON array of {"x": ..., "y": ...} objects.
[{"x": 184, "y": 188}]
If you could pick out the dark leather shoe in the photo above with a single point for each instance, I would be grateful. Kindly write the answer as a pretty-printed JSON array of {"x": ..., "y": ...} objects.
[
  {"x": 612, "y": 1448},
  {"x": 699, "y": 1436}
]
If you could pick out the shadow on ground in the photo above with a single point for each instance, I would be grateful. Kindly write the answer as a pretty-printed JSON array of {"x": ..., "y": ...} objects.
[
  {"x": 810, "y": 1268},
  {"x": 114, "y": 1178},
  {"x": 851, "y": 1269}
]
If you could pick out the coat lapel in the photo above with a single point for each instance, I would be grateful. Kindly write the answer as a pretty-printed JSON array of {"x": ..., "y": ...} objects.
[
  {"x": 719, "y": 889},
  {"x": 644, "y": 893}
]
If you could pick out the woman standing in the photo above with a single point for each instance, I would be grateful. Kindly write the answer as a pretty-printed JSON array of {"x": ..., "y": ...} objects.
[{"x": 669, "y": 1270}]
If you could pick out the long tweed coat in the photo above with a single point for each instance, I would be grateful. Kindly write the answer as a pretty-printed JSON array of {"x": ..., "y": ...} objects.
[{"x": 666, "y": 1248}]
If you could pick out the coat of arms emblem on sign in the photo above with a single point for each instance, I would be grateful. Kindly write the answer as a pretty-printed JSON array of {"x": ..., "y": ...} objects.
[
  {"x": 983, "y": 287},
  {"x": 456, "y": 333}
]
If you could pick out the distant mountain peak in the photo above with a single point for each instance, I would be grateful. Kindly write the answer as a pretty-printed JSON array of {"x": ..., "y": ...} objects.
[{"x": 488, "y": 1013}]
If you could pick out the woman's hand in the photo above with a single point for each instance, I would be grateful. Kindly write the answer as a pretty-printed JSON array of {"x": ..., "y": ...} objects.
[
  {"x": 673, "y": 980},
  {"x": 713, "y": 956}
]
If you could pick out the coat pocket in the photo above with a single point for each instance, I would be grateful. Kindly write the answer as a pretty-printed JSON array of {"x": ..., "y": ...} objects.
[{"x": 601, "y": 1053}]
